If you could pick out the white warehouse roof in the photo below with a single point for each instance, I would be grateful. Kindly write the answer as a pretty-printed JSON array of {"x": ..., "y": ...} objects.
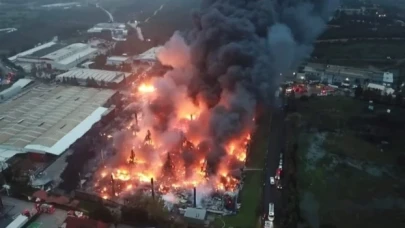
[
  {"x": 33, "y": 50},
  {"x": 14, "y": 89},
  {"x": 70, "y": 53},
  {"x": 48, "y": 119},
  {"x": 60, "y": 146},
  {"x": 98, "y": 75},
  {"x": 150, "y": 54},
  {"x": 118, "y": 58}
]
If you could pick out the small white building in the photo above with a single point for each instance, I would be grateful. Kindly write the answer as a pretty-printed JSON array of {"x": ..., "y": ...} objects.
[
  {"x": 118, "y": 60},
  {"x": 388, "y": 79},
  {"x": 382, "y": 88}
]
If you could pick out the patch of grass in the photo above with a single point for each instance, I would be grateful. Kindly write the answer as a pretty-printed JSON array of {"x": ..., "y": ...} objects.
[
  {"x": 252, "y": 188},
  {"x": 35, "y": 225},
  {"x": 330, "y": 113},
  {"x": 352, "y": 178},
  {"x": 345, "y": 188},
  {"x": 88, "y": 206},
  {"x": 250, "y": 195},
  {"x": 349, "y": 146}
]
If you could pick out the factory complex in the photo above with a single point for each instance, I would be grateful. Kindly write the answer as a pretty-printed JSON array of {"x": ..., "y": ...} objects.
[
  {"x": 46, "y": 119},
  {"x": 57, "y": 56}
]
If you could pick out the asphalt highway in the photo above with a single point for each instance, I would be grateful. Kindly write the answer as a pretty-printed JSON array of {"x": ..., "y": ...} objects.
[{"x": 276, "y": 145}]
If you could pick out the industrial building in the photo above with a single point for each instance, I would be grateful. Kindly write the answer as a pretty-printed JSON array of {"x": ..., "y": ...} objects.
[
  {"x": 56, "y": 56},
  {"x": 101, "y": 77},
  {"x": 333, "y": 74},
  {"x": 32, "y": 50},
  {"x": 107, "y": 27},
  {"x": 48, "y": 119},
  {"x": 118, "y": 60},
  {"x": 14, "y": 89},
  {"x": 118, "y": 30},
  {"x": 68, "y": 57},
  {"x": 149, "y": 55}
]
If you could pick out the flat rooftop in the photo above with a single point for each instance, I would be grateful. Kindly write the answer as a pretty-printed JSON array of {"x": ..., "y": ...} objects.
[
  {"x": 59, "y": 54},
  {"x": 32, "y": 50},
  {"x": 110, "y": 25},
  {"x": 118, "y": 58},
  {"x": 49, "y": 118},
  {"x": 48, "y": 50},
  {"x": 98, "y": 75},
  {"x": 150, "y": 54}
]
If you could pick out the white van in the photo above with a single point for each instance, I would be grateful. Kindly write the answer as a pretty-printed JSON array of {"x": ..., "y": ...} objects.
[{"x": 271, "y": 212}]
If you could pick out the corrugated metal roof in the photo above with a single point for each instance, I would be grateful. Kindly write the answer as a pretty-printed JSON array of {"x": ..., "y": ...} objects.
[
  {"x": 46, "y": 117},
  {"x": 30, "y": 51},
  {"x": 14, "y": 89},
  {"x": 118, "y": 58},
  {"x": 150, "y": 54},
  {"x": 22, "y": 82},
  {"x": 60, "y": 146},
  {"x": 98, "y": 75}
]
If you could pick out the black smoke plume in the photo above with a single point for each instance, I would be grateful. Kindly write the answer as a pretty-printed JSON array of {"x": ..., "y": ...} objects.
[{"x": 235, "y": 56}]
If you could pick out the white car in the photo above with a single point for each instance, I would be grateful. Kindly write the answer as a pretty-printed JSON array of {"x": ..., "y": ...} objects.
[
  {"x": 270, "y": 216},
  {"x": 272, "y": 181}
]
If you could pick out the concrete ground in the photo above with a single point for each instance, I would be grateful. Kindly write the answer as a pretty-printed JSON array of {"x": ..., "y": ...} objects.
[{"x": 13, "y": 207}]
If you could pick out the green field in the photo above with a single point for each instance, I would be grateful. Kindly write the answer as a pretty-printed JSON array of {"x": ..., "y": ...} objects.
[
  {"x": 252, "y": 188},
  {"x": 378, "y": 49},
  {"x": 344, "y": 178},
  {"x": 35, "y": 225}
]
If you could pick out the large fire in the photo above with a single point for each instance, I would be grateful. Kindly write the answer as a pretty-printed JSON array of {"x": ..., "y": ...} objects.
[{"x": 175, "y": 158}]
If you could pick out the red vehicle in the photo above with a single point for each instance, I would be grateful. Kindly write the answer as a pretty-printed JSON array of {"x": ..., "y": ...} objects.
[
  {"x": 45, "y": 208},
  {"x": 278, "y": 173}
]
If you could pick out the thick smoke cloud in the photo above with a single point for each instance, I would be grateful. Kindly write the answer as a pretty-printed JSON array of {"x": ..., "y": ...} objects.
[{"x": 234, "y": 57}]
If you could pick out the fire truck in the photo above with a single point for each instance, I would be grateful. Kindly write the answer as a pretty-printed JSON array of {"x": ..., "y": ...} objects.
[{"x": 45, "y": 208}]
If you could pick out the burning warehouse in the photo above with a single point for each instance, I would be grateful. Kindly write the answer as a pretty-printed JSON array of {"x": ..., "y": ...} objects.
[{"x": 194, "y": 124}]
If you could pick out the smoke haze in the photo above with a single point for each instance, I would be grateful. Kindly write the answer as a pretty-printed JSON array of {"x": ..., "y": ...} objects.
[{"x": 233, "y": 59}]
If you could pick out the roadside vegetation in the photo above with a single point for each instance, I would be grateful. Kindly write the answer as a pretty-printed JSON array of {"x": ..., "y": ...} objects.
[{"x": 350, "y": 164}]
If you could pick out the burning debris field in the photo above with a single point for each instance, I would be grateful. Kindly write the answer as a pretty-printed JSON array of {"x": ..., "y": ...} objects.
[{"x": 165, "y": 145}]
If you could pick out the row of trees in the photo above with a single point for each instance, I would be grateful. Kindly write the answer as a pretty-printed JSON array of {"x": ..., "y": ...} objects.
[{"x": 377, "y": 97}]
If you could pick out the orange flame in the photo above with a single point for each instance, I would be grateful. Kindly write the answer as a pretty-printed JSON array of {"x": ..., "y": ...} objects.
[{"x": 146, "y": 88}]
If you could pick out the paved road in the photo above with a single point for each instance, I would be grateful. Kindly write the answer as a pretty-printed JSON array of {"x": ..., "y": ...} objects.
[
  {"x": 110, "y": 16},
  {"x": 276, "y": 144}
]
